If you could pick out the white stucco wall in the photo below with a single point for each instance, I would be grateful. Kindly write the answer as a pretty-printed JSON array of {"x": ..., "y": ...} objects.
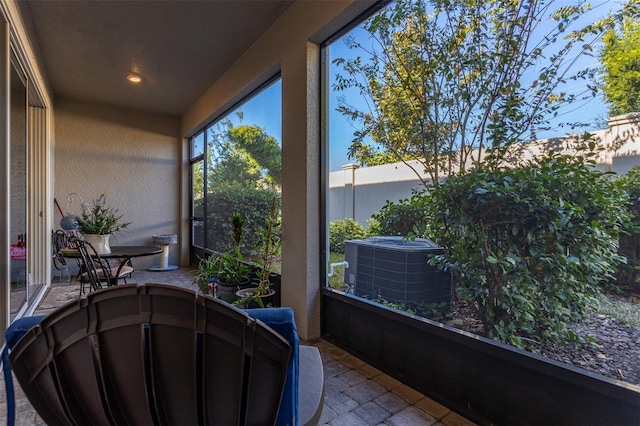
[
  {"x": 131, "y": 157},
  {"x": 358, "y": 192}
]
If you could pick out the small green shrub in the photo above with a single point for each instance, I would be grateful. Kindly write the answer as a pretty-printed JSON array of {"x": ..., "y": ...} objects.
[
  {"x": 398, "y": 306},
  {"x": 407, "y": 217},
  {"x": 628, "y": 274},
  {"x": 343, "y": 230},
  {"x": 227, "y": 267}
]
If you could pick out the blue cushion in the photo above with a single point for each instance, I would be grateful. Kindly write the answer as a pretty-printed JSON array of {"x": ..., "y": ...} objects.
[
  {"x": 281, "y": 320},
  {"x": 12, "y": 335}
]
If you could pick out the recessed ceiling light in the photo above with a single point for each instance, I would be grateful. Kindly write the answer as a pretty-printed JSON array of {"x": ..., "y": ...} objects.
[{"x": 134, "y": 78}]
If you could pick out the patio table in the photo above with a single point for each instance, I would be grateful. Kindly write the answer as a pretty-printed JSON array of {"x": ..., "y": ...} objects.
[{"x": 123, "y": 253}]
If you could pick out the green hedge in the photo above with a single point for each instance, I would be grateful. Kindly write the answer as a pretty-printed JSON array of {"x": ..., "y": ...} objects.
[
  {"x": 530, "y": 245},
  {"x": 252, "y": 204},
  {"x": 343, "y": 230},
  {"x": 405, "y": 218}
]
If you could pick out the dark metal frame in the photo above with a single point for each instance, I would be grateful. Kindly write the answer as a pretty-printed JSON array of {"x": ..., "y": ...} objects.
[{"x": 489, "y": 382}]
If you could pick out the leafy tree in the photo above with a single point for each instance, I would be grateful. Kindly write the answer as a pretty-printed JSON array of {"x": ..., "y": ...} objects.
[
  {"x": 530, "y": 245},
  {"x": 198, "y": 181},
  {"x": 262, "y": 149},
  {"x": 243, "y": 175},
  {"x": 621, "y": 68},
  {"x": 448, "y": 81},
  {"x": 245, "y": 155}
]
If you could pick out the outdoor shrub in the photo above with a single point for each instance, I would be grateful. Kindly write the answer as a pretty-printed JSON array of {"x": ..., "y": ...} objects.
[
  {"x": 529, "y": 245},
  {"x": 627, "y": 277},
  {"x": 407, "y": 217},
  {"x": 343, "y": 230},
  {"x": 252, "y": 204}
]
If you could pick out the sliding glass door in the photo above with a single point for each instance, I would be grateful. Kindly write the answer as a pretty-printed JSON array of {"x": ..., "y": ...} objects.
[{"x": 18, "y": 191}]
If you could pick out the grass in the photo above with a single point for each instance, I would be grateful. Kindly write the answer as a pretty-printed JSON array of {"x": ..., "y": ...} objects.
[
  {"x": 620, "y": 309},
  {"x": 337, "y": 280}
]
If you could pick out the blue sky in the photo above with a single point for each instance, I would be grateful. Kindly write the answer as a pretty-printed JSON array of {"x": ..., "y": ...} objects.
[{"x": 265, "y": 109}]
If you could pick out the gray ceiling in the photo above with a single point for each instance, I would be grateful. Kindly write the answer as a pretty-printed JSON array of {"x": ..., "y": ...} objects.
[{"x": 180, "y": 47}]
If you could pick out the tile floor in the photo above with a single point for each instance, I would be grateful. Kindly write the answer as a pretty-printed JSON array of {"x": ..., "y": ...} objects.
[{"x": 355, "y": 393}]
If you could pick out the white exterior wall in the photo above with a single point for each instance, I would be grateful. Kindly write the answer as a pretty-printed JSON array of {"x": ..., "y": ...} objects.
[
  {"x": 623, "y": 138},
  {"x": 373, "y": 186}
]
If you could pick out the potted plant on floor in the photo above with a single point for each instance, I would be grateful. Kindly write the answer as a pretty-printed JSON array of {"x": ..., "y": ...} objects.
[
  {"x": 268, "y": 253},
  {"x": 98, "y": 222},
  {"x": 222, "y": 274}
]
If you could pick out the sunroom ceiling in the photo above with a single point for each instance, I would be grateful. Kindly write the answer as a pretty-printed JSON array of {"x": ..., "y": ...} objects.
[{"x": 180, "y": 47}]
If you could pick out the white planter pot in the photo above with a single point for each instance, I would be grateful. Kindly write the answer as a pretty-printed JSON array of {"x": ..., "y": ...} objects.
[{"x": 99, "y": 242}]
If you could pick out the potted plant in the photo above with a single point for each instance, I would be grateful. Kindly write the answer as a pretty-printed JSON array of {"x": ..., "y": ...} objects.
[
  {"x": 98, "y": 222},
  {"x": 268, "y": 252},
  {"x": 222, "y": 274}
]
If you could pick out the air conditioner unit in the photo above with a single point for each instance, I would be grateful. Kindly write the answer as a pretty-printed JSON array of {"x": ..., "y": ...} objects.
[{"x": 396, "y": 270}]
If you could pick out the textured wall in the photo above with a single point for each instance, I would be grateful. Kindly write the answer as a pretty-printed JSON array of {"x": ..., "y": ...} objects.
[{"x": 133, "y": 158}]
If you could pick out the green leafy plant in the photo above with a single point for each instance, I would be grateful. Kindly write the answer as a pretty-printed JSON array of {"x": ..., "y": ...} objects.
[
  {"x": 530, "y": 245},
  {"x": 268, "y": 246},
  {"x": 343, "y": 230},
  {"x": 227, "y": 268},
  {"x": 100, "y": 218},
  {"x": 268, "y": 251},
  {"x": 398, "y": 306},
  {"x": 406, "y": 217}
]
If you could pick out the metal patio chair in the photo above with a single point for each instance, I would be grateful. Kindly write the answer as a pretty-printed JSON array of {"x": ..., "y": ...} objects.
[{"x": 95, "y": 271}]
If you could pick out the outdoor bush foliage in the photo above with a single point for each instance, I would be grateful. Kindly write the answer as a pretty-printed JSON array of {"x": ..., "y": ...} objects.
[
  {"x": 343, "y": 230},
  {"x": 404, "y": 218},
  {"x": 627, "y": 277},
  {"x": 253, "y": 205},
  {"x": 620, "y": 55},
  {"x": 530, "y": 245}
]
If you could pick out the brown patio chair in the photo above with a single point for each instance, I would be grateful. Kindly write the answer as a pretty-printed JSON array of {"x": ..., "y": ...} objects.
[{"x": 152, "y": 354}]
